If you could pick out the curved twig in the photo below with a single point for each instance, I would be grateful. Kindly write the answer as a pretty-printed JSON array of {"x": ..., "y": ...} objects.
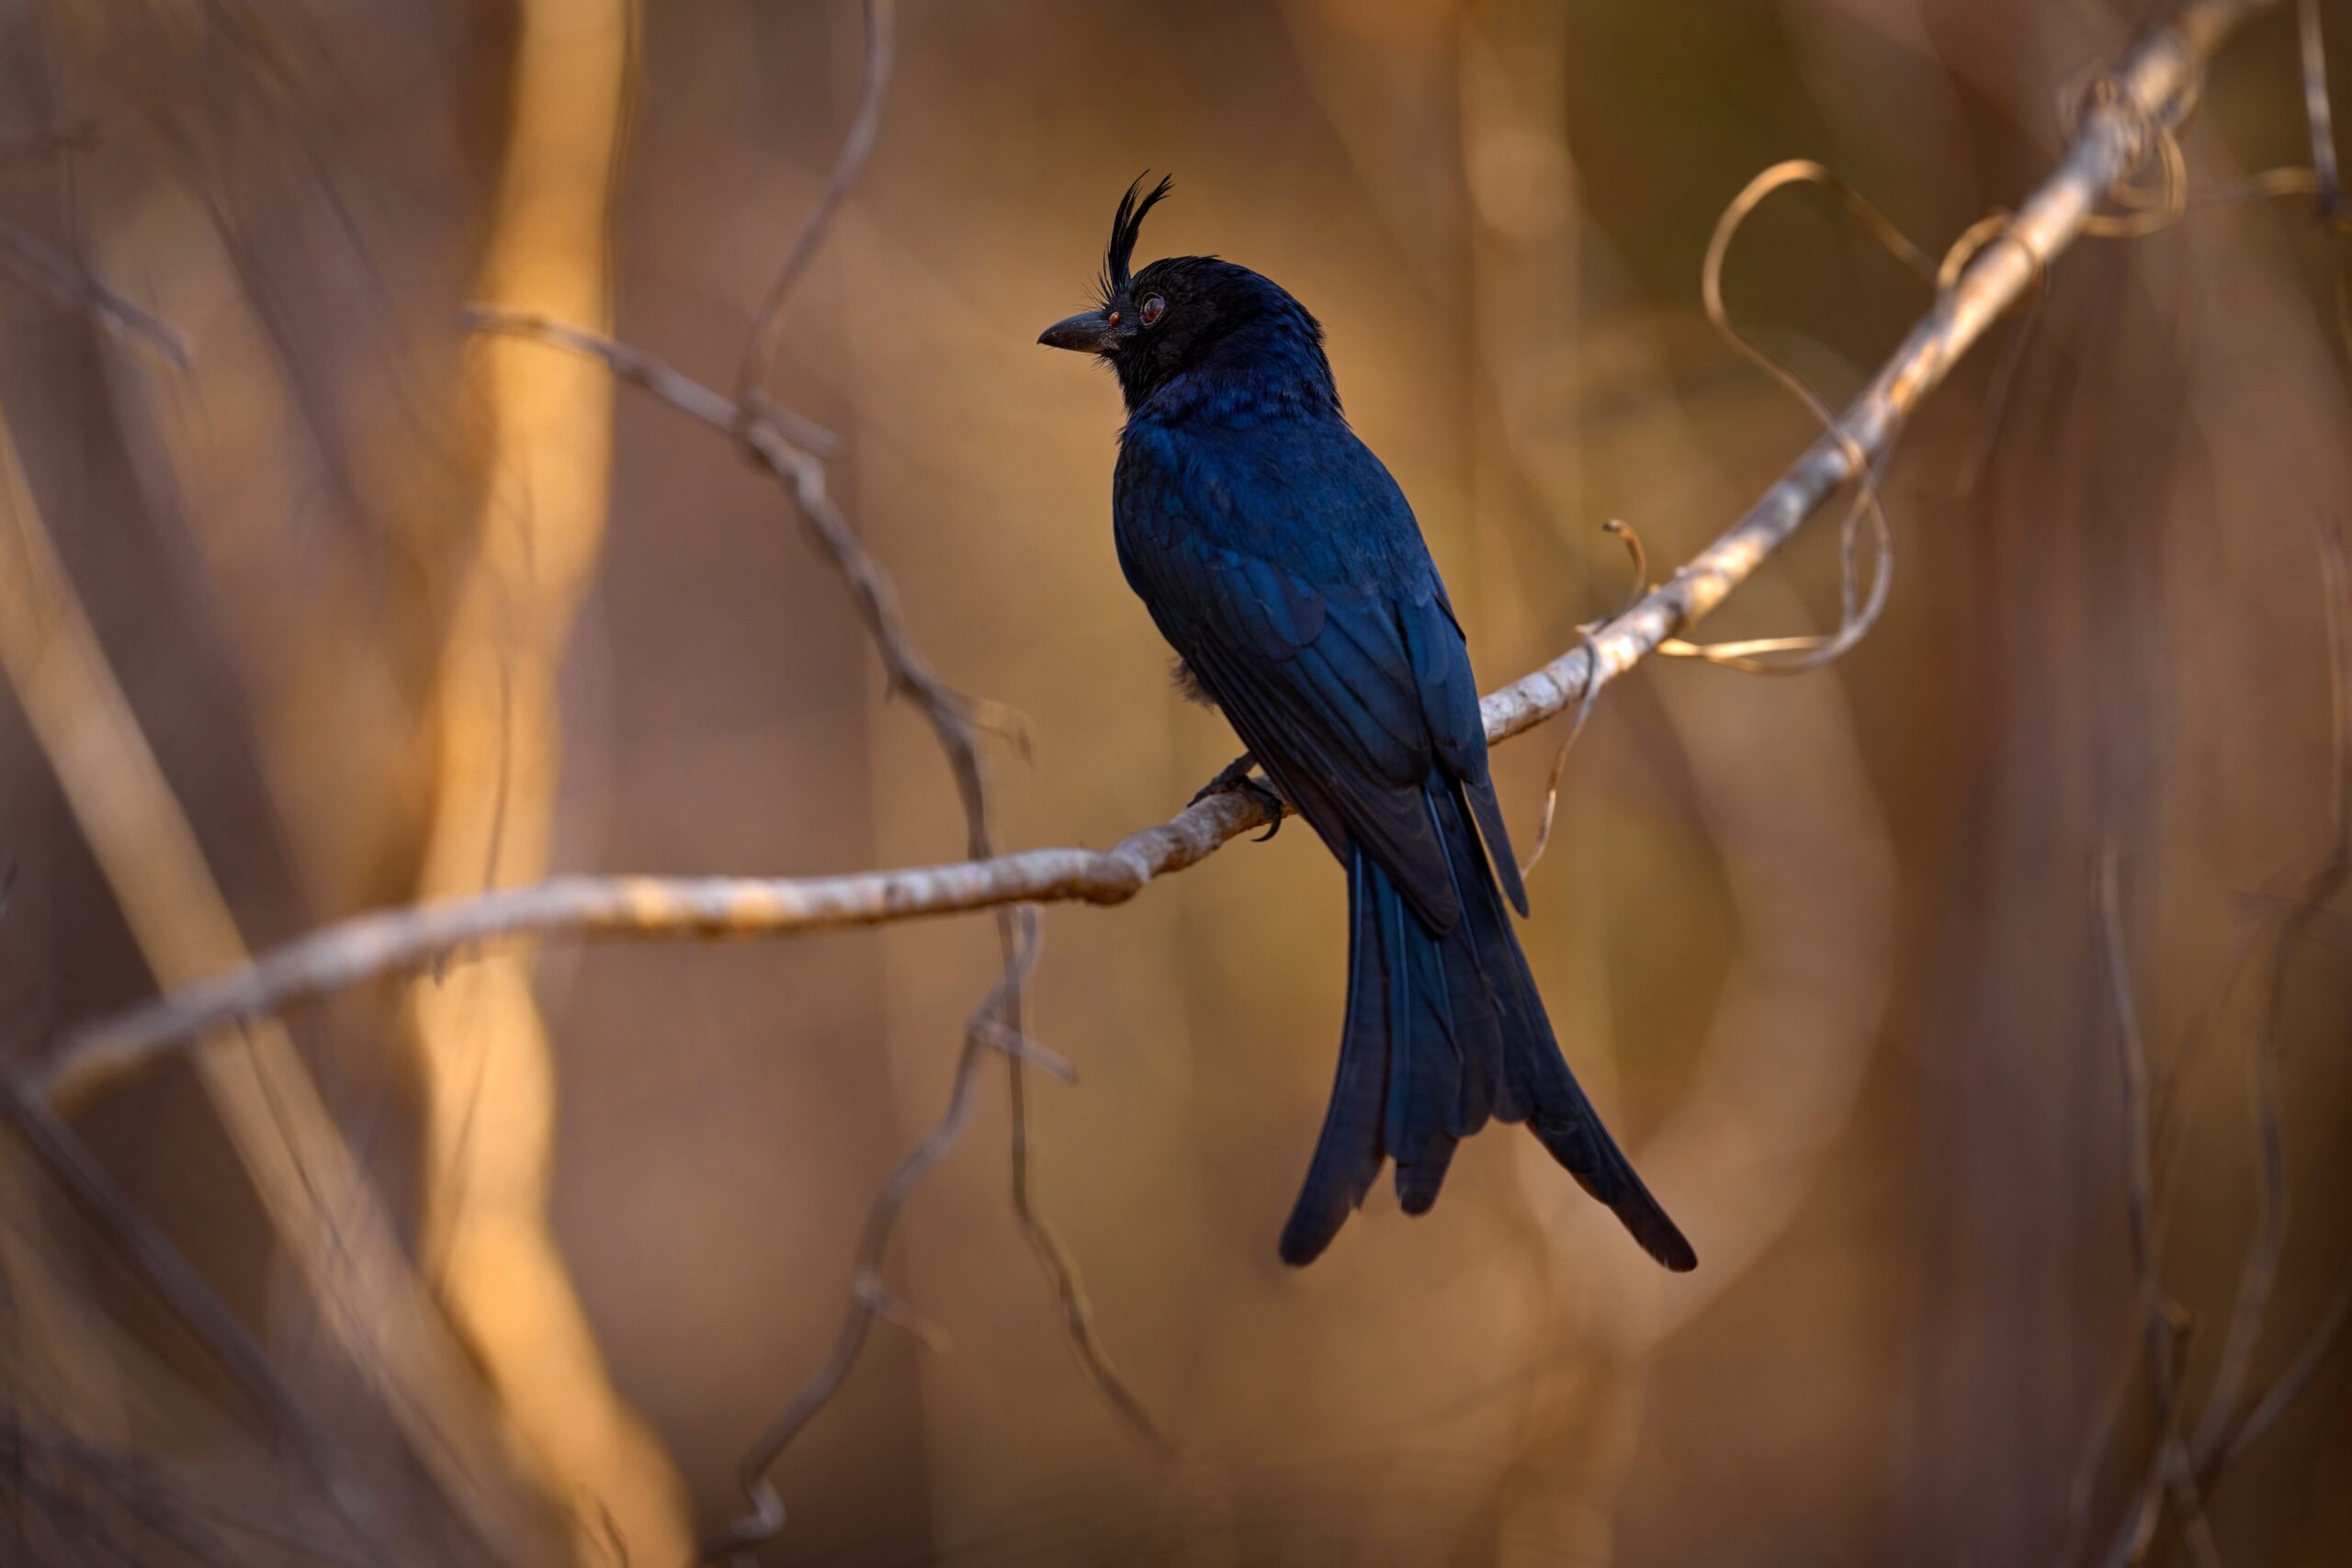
[{"x": 2163, "y": 1321}]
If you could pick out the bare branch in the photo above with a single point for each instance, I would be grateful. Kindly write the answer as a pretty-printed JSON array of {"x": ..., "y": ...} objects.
[
  {"x": 2221, "y": 1415},
  {"x": 867, "y": 1298},
  {"x": 767, "y": 328},
  {"x": 642, "y": 370},
  {"x": 2229, "y": 1425},
  {"x": 68, "y": 285},
  {"x": 16, "y": 146},
  {"x": 2321, "y": 119},
  {"x": 2155, "y": 86},
  {"x": 2163, "y": 1322},
  {"x": 303, "y": 1172},
  {"x": 790, "y": 449},
  {"x": 184, "y": 1294}
]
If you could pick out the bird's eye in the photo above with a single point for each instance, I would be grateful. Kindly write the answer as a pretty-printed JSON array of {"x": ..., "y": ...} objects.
[{"x": 1151, "y": 309}]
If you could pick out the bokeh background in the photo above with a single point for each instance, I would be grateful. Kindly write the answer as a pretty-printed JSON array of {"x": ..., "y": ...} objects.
[{"x": 402, "y": 612}]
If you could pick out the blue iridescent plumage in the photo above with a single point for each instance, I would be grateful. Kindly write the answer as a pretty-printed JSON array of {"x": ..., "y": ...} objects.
[{"x": 1281, "y": 561}]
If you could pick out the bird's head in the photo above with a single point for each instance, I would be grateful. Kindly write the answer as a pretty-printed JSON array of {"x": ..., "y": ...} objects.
[{"x": 1193, "y": 316}]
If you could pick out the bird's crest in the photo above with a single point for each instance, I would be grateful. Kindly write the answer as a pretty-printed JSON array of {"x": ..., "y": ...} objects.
[{"x": 1126, "y": 224}]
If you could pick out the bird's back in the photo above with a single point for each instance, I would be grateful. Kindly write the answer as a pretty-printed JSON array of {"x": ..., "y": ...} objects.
[{"x": 1236, "y": 469}]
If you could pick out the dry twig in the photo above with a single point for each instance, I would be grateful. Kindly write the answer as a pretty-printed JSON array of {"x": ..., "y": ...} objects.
[
  {"x": 2185, "y": 1473},
  {"x": 2329, "y": 187},
  {"x": 188, "y": 1298},
  {"x": 865, "y": 125},
  {"x": 2164, "y": 1323},
  {"x": 69, "y": 286},
  {"x": 2218, "y": 1430}
]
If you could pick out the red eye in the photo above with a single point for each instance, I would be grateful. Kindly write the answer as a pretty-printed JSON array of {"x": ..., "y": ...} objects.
[{"x": 1151, "y": 309}]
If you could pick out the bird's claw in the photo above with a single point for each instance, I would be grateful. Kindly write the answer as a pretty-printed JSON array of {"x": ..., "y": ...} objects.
[
  {"x": 1234, "y": 779},
  {"x": 1271, "y": 800}
]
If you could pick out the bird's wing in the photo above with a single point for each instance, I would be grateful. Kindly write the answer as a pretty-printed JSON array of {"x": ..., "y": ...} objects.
[
  {"x": 1346, "y": 677},
  {"x": 1449, "y": 699}
]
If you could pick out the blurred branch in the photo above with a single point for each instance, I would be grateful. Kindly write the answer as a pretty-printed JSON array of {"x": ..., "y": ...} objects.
[
  {"x": 307, "y": 1179},
  {"x": 485, "y": 1058},
  {"x": 16, "y": 146},
  {"x": 102, "y": 1502},
  {"x": 2293, "y": 1383},
  {"x": 769, "y": 435},
  {"x": 2153, "y": 85},
  {"x": 790, "y": 449},
  {"x": 870, "y": 1299},
  {"x": 2316, "y": 111},
  {"x": 2218, "y": 1427},
  {"x": 184, "y": 1294},
  {"x": 2186, "y": 1473},
  {"x": 2164, "y": 1323},
  {"x": 2230, "y": 1444},
  {"x": 768, "y": 327},
  {"x": 57, "y": 276}
]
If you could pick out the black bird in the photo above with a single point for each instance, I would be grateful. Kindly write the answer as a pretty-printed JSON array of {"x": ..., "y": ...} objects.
[{"x": 1282, "y": 564}]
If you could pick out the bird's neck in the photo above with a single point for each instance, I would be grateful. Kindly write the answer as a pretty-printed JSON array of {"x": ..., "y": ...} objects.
[{"x": 1267, "y": 368}]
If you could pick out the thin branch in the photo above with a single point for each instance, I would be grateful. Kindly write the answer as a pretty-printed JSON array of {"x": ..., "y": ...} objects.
[
  {"x": 1761, "y": 655},
  {"x": 16, "y": 146},
  {"x": 56, "y": 276},
  {"x": 2321, "y": 119},
  {"x": 2261, "y": 1269},
  {"x": 790, "y": 449},
  {"x": 766, "y": 1519},
  {"x": 767, "y": 328},
  {"x": 2163, "y": 1322},
  {"x": 2293, "y": 1383},
  {"x": 1641, "y": 565},
  {"x": 186, "y": 1295},
  {"x": 2154, "y": 86},
  {"x": 640, "y": 369},
  {"x": 2230, "y": 1425},
  {"x": 2266, "y": 1411}
]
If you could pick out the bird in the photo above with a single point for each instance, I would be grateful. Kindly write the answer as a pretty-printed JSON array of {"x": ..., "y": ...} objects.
[{"x": 1282, "y": 564}]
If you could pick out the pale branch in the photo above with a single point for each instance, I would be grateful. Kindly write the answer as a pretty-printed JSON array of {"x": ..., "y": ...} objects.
[
  {"x": 401, "y": 941},
  {"x": 2151, "y": 86}
]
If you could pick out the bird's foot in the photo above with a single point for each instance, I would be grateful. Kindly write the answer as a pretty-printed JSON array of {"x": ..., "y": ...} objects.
[
  {"x": 1230, "y": 778},
  {"x": 1234, "y": 779},
  {"x": 1270, "y": 800}
]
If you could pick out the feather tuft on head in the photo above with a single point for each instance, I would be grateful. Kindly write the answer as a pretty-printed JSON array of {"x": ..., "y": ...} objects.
[{"x": 1126, "y": 224}]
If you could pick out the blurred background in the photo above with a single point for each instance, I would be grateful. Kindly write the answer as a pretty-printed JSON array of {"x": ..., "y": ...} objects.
[{"x": 355, "y": 609}]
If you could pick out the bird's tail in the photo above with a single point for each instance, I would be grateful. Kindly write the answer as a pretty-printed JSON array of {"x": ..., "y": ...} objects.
[{"x": 1443, "y": 1031}]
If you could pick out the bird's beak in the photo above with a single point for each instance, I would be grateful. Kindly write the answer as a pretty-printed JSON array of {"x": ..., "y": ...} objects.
[{"x": 1088, "y": 331}]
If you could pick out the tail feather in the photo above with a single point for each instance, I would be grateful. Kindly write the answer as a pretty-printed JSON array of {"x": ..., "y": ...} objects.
[
  {"x": 1349, "y": 1151},
  {"x": 1424, "y": 1062},
  {"x": 1445, "y": 1031}
]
